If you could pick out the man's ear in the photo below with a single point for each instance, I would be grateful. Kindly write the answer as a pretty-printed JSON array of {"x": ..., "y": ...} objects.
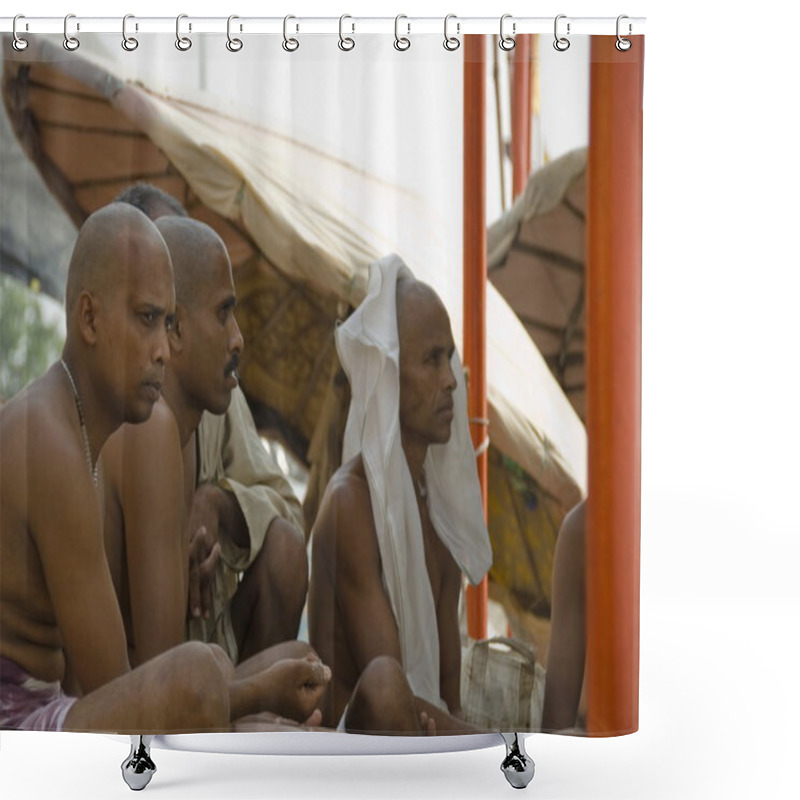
[
  {"x": 87, "y": 317},
  {"x": 176, "y": 332}
]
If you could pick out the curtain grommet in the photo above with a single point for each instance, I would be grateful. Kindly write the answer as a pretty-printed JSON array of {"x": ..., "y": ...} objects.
[
  {"x": 233, "y": 44},
  {"x": 507, "y": 42},
  {"x": 18, "y": 43},
  {"x": 183, "y": 43},
  {"x": 451, "y": 43},
  {"x": 129, "y": 43},
  {"x": 560, "y": 43},
  {"x": 622, "y": 44},
  {"x": 346, "y": 43},
  {"x": 401, "y": 43},
  {"x": 71, "y": 43},
  {"x": 289, "y": 44}
]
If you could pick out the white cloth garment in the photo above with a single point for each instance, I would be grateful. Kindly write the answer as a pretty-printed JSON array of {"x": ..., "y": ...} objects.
[{"x": 369, "y": 350}]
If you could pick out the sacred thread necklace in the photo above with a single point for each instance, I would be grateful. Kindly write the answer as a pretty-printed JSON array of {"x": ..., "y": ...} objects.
[{"x": 84, "y": 435}]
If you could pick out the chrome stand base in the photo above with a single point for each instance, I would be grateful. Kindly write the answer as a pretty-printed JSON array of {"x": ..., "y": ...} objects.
[
  {"x": 138, "y": 768},
  {"x": 517, "y": 766}
]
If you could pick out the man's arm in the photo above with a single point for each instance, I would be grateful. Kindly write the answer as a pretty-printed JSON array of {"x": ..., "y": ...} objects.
[
  {"x": 362, "y": 606},
  {"x": 66, "y": 526},
  {"x": 254, "y": 486},
  {"x": 151, "y": 495}
]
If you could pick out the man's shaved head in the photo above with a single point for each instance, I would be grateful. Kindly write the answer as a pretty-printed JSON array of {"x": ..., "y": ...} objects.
[
  {"x": 114, "y": 239},
  {"x": 192, "y": 245},
  {"x": 412, "y": 298},
  {"x": 120, "y": 298},
  {"x": 427, "y": 381},
  {"x": 152, "y": 201},
  {"x": 206, "y": 340}
]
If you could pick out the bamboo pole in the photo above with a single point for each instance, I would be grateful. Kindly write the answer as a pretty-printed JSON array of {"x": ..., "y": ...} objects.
[
  {"x": 475, "y": 273},
  {"x": 614, "y": 257},
  {"x": 521, "y": 114},
  {"x": 498, "y": 112}
]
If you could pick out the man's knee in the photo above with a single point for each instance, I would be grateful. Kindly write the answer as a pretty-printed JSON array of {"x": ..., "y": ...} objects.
[
  {"x": 383, "y": 699},
  {"x": 199, "y": 685},
  {"x": 283, "y": 557}
]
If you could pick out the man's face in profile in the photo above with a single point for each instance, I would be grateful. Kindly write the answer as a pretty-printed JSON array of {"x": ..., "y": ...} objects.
[
  {"x": 213, "y": 337},
  {"x": 427, "y": 381}
]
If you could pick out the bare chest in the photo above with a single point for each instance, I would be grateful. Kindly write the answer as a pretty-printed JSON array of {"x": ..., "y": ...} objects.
[
  {"x": 438, "y": 560},
  {"x": 189, "y": 474}
]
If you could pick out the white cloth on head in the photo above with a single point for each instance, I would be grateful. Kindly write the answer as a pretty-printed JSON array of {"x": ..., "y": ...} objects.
[{"x": 369, "y": 349}]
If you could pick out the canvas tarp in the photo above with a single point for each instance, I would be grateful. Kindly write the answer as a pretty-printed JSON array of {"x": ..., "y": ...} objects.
[{"x": 296, "y": 213}]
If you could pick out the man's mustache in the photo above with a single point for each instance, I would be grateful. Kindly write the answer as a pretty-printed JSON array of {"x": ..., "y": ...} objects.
[{"x": 232, "y": 365}]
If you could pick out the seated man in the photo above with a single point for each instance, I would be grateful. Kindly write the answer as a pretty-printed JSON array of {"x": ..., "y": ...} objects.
[
  {"x": 58, "y": 609},
  {"x": 245, "y": 520},
  {"x": 152, "y": 468},
  {"x": 402, "y": 517}
]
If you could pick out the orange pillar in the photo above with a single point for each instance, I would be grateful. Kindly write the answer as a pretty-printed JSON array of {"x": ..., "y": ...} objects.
[
  {"x": 475, "y": 273},
  {"x": 521, "y": 114},
  {"x": 614, "y": 260}
]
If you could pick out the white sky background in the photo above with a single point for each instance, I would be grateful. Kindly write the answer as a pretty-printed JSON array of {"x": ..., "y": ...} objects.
[{"x": 720, "y": 698}]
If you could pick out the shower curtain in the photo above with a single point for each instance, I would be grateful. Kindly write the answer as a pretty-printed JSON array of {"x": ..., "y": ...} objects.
[{"x": 505, "y": 172}]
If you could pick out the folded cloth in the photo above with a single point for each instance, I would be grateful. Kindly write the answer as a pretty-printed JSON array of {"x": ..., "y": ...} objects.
[
  {"x": 28, "y": 704},
  {"x": 369, "y": 350}
]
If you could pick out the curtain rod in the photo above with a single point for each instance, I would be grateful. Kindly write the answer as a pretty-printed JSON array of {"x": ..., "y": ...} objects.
[{"x": 298, "y": 25}]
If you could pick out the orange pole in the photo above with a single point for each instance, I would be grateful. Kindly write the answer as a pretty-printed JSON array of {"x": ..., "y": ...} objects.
[
  {"x": 614, "y": 261},
  {"x": 475, "y": 274},
  {"x": 521, "y": 114}
]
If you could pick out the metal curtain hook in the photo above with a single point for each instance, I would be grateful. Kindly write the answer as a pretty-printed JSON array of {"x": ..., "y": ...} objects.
[
  {"x": 234, "y": 45},
  {"x": 507, "y": 42},
  {"x": 561, "y": 43},
  {"x": 183, "y": 43},
  {"x": 18, "y": 42},
  {"x": 346, "y": 42},
  {"x": 401, "y": 42},
  {"x": 128, "y": 42},
  {"x": 289, "y": 44},
  {"x": 451, "y": 43},
  {"x": 70, "y": 42},
  {"x": 623, "y": 45}
]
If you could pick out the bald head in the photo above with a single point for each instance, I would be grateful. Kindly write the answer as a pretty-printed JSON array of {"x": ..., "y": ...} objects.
[
  {"x": 113, "y": 241},
  {"x": 427, "y": 381},
  {"x": 415, "y": 300},
  {"x": 195, "y": 249}
]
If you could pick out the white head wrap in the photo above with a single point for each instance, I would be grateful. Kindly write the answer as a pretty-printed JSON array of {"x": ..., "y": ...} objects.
[{"x": 369, "y": 349}]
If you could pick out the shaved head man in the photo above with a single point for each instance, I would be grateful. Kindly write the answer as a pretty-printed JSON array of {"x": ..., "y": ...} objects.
[
  {"x": 385, "y": 584},
  {"x": 151, "y": 472},
  {"x": 57, "y": 604},
  {"x": 58, "y": 610},
  {"x": 248, "y": 573}
]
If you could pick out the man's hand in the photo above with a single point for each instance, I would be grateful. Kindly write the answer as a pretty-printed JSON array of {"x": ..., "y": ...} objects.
[
  {"x": 204, "y": 549},
  {"x": 294, "y": 688}
]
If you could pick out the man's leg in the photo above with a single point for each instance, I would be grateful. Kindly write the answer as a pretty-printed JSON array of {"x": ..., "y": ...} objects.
[
  {"x": 181, "y": 690},
  {"x": 267, "y": 606},
  {"x": 383, "y": 702}
]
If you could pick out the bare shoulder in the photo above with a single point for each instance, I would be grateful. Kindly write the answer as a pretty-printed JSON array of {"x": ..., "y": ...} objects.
[
  {"x": 37, "y": 431},
  {"x": 45, "y": 476},
  {"x": 159, "y": 431},
  {"x": 346, "y": 509}
]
